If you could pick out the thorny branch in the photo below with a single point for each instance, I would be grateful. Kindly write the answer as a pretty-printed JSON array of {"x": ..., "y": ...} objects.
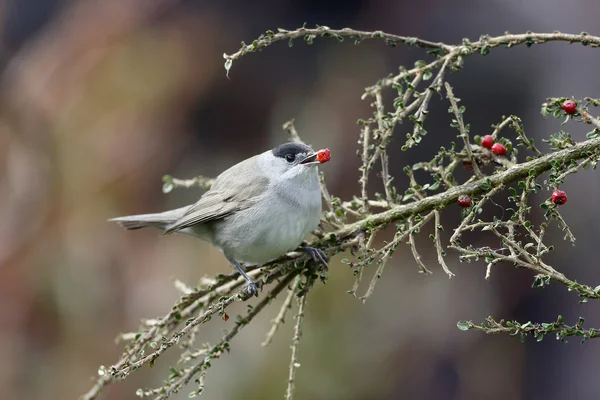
[
  {"x": 287, "y": 304},
  {"x": 355, "y": 224},
  {"x": 536, "y": 330},
  {"x": 294, "y": 365}
]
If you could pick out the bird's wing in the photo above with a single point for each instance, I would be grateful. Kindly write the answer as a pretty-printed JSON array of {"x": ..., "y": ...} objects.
[{"x": 234, "y": 190}]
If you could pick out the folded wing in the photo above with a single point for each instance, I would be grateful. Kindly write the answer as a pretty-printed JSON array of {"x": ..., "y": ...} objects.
[{"x": 235, "y": 189}]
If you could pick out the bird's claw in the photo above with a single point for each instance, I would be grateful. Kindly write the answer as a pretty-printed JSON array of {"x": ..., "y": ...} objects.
[
  {"x": 251, "y": 288},
  {"x": 318, "y": 256}
]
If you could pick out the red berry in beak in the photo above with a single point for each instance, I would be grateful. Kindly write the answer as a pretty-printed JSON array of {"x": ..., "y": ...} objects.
[
  {"x": 323, "y": 155},
  {"x": 559, "y": 197},
  {"x": 569, "y": 106}
]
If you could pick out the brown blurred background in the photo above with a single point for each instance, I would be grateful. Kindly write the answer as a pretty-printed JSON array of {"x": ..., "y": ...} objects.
[{"x": 100, "y": 99}]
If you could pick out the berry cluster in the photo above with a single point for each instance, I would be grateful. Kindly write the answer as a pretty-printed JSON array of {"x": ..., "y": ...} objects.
[{"x": 497, "y": 148}]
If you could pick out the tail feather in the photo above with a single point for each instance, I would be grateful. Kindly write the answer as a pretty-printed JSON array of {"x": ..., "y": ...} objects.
[{"x": 158, "y": 220}]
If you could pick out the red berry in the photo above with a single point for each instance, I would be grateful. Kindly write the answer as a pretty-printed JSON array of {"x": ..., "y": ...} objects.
[
  {"x": 464, "y": 200},
  {"x": 323, "y": 155},
  {"x": 487, "y": 141},
  {"x": 498, "y": 149},
  {"x": 569, "y": 106},
  {"x": 468, "y": 165},
  {"x": 559, "y": 197}
]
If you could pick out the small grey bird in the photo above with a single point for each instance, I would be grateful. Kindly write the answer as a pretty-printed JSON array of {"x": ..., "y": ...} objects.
[{"x": 255, "y": 211}]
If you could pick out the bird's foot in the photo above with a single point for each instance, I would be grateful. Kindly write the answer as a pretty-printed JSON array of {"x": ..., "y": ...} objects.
[
  {"x": 250, "y": 285},
  {"x": 251, "y": 288},
  {"x": 318, "y": 256}
]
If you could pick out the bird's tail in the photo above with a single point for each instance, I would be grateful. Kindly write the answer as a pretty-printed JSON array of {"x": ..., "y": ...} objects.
[{"x": 158, "y": 220}]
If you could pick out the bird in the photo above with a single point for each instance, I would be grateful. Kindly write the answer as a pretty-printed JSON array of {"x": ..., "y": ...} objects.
[{"x": 255, "y": 211}]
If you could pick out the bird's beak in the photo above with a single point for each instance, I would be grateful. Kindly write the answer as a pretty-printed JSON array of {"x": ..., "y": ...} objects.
[
  {"x": 310, "y": 160},
  {"x": 318, "y": 157}
]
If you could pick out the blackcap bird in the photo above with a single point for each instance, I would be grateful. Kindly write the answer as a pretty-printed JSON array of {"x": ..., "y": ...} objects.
[{"x": 255, "y": 211}]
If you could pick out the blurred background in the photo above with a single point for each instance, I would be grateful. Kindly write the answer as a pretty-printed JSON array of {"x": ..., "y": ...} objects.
[{"x": 100, "y": 99}]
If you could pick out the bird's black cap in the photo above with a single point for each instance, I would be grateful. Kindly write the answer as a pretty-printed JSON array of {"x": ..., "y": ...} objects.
[{"x": 291, "y": 148}]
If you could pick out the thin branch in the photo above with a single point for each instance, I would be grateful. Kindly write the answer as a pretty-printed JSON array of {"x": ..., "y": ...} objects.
[
  {"x": 591, "y": 160},
  {"x": 365, "y": 138},
  {"x": 412, "y": 232},
  {"x": 282, "y": 311},
  {"x": 410, "y": 90},
  {"x": 519, "y": 171},
  {"x": 358, "y": 273},
  {"x": 386, "y": 135},
  {"x": 204, "y": 317},
  {"x": 271, "y": 37},
  {"x": 291, "y": 129},
  {"x": 294, "y": 365},
  {"x": 537, "y": 330},
  {"x": 438, "y": 244},
  {"x": 464, "y": 134},
  {"x": 487, "y": 43},
  {"x": 216, "y": 350},
  {"x": 389, "y": 82}
]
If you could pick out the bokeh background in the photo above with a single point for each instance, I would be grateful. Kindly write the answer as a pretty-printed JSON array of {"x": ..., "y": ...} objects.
[{"x": 100, "y": 99}]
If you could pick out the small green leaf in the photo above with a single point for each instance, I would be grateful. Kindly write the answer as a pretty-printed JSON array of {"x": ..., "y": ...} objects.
[
  {"x": 464, "y": 325},
  {"x": 168, "y": 187},
  {"x": 434, "y": 186}
]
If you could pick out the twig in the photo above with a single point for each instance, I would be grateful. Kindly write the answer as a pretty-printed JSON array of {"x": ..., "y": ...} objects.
[
  {"x": 282, "y": 311},
  {"x": 464, "y": 134},
  {"x": 358, "y": 273},
  {"x": 438, "y": 244},
  {"x": 412, "y": 231},
  {"x": 205, "y": 316},
  {"x": 295, "y": 342},
  {"x": 536, "y": 330},
  {"x": 219, "y": 347},
  {"x": 291, "y": 129},
  {"x": 425, "y": 97},
  {"x": 365, "y": 138},
  {"x": 474, "y": 210},
  {"x": 386, "y": 135},
  {"x": 282, "y": 34},
  {"x": 488, "y": 271}
]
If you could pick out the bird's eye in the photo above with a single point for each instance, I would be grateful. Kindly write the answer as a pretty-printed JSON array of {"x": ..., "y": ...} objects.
[{"x": 290, "y": 158}]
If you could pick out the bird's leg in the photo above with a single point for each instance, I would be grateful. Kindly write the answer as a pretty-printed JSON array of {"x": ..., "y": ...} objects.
[
  {"x": 318, "y": 255},
  {"x": 250, "y": 286}
]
